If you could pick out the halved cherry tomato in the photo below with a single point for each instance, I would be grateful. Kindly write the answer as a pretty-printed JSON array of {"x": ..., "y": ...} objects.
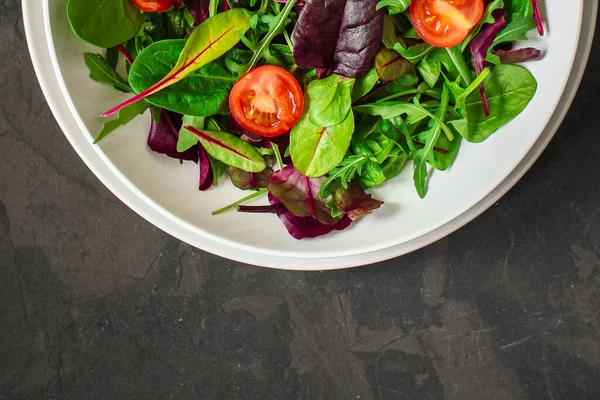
[
  {"x": 445, "y": 23},
  {"x": 153, "y": 5},
  {"x": 267, "y": 101}
]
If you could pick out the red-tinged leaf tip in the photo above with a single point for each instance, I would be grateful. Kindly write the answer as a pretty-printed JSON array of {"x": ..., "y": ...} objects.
[
  {"x": 538, "y": 17},
  {"x": 125, "y": 54}
]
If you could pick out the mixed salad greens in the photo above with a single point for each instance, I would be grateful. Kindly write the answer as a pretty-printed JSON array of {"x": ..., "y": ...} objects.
[{"x": 312, "y": 102}]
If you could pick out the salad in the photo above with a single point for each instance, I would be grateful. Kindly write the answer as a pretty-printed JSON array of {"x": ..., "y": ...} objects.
[{"x": 311, "y": 103}]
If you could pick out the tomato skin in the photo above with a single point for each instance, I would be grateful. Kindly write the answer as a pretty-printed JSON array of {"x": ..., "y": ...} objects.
[
  {"x": 267, "y": 101},
  {"x": 445, "y": 23},
  {"x": 153, "y": 5}
]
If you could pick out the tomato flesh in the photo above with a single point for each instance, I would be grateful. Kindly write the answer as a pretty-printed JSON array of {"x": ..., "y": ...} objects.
[
  {"x": 267, "y": 101},
  {"x": 445, "y": 23},
  {"x": 153, "y": 5}
]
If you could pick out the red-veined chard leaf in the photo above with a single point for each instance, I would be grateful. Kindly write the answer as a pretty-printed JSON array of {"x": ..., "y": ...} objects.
[
  {"x": 338, "y": 35},
  {"x": 204, "y": 92},
  {"x": 391, "y": 66},
  {"x": 124, "y": 116},
  {"x": 230, "y": 149},
  {"x": 304, "y": 227},
  {"x": 209, "y": 41},
  {"x": 252, "y": 180},
  {"x": 316, "y": 150},
  {"x": 299, "y": 194},
  {"x": 353, "y": 201}
]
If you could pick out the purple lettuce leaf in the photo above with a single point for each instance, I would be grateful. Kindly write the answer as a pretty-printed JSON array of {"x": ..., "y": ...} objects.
[
  {"x": 342, "y": 36},
  {"x": 198, "y": 9},
  {"x": 299, "y": 194},
  {"x": 519, "y": 55},
  {"x": 163, "y": 136},
  {"x": 304, "y": 227},
  {"x": 479, "y": 47},
  {"x": 206, "y": 173},
  {"x": 354, "y": 201}
]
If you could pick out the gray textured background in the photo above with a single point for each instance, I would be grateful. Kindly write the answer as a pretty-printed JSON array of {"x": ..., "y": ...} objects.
[{"x": 95, "y": 303}]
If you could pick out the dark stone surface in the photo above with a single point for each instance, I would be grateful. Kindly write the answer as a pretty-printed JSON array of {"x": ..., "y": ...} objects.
[{"x": 506, "y": 308}]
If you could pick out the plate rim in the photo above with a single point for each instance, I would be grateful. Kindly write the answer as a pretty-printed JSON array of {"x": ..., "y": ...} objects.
[{"x": 262, "y": 259}]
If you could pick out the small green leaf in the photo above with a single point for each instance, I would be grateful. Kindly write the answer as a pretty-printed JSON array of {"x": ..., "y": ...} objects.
[
  {"x": 330, "y": 100},
  {"x": 101, "y": 71},
  {"x": 186, "y": 138},
  {"x": 364, "y": 84},
  {"x": 125, "y": 115}
]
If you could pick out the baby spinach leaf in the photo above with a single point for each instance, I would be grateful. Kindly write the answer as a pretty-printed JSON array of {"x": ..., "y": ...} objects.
[
  {"x": 330, "y": 100},
  {"x": 104, "y": 23},
  {"x": 316, "y": 150},
  {"x": 509, "y": 90},
  {"x": 372, "y": 175},
  {"x": 513, "y": 31},
  {"x": 125, "y": 115},
  {"x": 230, "y": 149},
  {"x": 364, "y": 84},
  {"x": 202, "y": 93},
  {"x": 101, "y": 71},
  {"x": 209, "y": 41}
]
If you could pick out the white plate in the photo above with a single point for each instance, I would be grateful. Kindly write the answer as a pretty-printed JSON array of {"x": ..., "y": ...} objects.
[{"x": 164, "y": 192}]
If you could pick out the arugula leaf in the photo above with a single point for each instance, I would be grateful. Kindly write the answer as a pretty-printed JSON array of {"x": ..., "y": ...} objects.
[
  {"x": 342, "y": 174},
  {"x": 101, "y": 71},
  {"x": 124, "y": 116},
  {"x": 413, "y": 53},
  {"x": 422, "y": 156},
  {"x": 394, "y": 6},
  {"x": 104, "y": 23}
]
